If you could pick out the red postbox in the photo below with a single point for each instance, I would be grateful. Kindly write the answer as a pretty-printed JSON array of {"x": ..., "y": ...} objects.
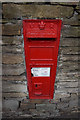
[{"x": 41, "y": 43}]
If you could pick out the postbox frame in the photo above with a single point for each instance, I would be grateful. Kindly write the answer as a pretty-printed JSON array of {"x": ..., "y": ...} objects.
[{"x": 30, "y": 64}]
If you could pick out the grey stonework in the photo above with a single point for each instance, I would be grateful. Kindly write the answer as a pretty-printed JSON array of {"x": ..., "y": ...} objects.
[{"x": 16, "y": 102}]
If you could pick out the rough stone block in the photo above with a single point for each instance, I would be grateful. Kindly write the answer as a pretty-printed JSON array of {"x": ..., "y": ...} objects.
[
  {"x": 69, "y": 31},
  {"x": 12, "y": 49},
  {"x": 15, "y": 40},
  {"x": 62, "y": 105},
  {"x": 12, "y": 59},
  {"x": 61, "y": 95},
  {"x": 14, "y": 95},
  {"x": 73, "y": 20},
  {"x": 67, "y": 79},
  {"x": 69, "y": 42},
  {"x": 48, "y": 107},
  {"x": 44, "y": 114},
  {"x": 65, "y": 99},
  {"x": 73, "y": 103},
  {"x": 10, "y": 105},
  {"x": 55, "y": 100},
  {"x": 11, "y": 21},
  {"x": 69, "y": 58},
  {"x": 48, "y": 11},
  {"x": 67, "y": 90},
  {"x": 39, "y": 113},
  {"x": 54, "y": 114},
  {"x": 36, "y": 101},
  {"x": 68, "y": 84},
  {"x": 74, "y": 96},
  {"x": 64, "y": 70},
  {"x": 69, "y": 50},
  {"x": 39, "y": 101},
  {"x": 68, "y": 66},
  {"x": 27, "y": 106},
  {"x": 73, "y": 76},
  {"x": 17, "y": 79},
  {"x": 12, "y": 87},
  {"x": 11, "y": 29},
  {"x": 34, "y": 112},
  {"x": 12, "y": 69}
]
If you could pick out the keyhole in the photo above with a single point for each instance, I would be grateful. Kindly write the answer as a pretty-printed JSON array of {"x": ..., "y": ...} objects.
[{"x": 36, "y": 85}]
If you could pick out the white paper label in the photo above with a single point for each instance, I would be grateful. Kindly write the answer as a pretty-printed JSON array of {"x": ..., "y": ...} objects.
[{"x": 40, "y": 71}]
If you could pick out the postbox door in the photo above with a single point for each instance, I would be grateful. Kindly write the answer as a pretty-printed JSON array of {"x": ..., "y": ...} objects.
[
  {"x": 41, "y": 81},
  {"x": 41, "y": 86}
]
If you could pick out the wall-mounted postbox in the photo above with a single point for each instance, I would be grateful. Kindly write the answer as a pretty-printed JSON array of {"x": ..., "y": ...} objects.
[{"x": 41, "y": 43}]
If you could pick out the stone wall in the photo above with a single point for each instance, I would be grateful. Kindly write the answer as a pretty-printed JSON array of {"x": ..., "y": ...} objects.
[{"x": 14, "y": 83}]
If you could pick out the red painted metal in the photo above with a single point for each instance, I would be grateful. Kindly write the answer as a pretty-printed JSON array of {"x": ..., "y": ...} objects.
[{"x": 41, "y": 43}]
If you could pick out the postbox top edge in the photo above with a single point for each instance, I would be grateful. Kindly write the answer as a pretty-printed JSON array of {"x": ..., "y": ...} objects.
[{"x": 42, "y": 20}]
